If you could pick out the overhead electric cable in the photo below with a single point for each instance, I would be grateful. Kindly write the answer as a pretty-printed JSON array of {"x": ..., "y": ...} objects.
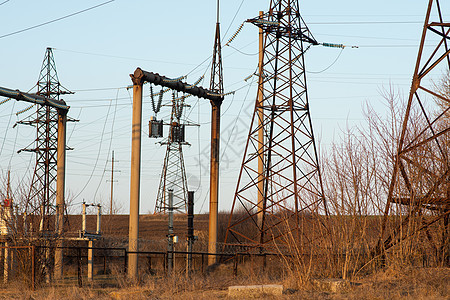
[
  {"x": 98, "y": 155},
  {"x": 7, "y": 127},
  {"x": 100, "y": 89},
  {"x": 125, "y": 57},
  {"x": 110, "y": 144},
  {"x": 248, "y": 54},
  {"x": 236, "y": 119},
  {"x": 55, "y": 20},
  {"x": 364, "y": 22},
  {"x": 317, "y": 72},
  {"x": 73, "y": 128},
  {"x": 366, "y": 37},
  {"x": 4, "y": 2},
  {"x": 390, "y": 46},
  {"x": 234, "y": 17}
]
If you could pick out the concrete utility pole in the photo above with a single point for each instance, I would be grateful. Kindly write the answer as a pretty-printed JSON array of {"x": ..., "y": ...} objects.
[
  {"x": 60, "y": 187},
  {"x": 216, "y": 86},
  {"x": 135, "y": 176}
]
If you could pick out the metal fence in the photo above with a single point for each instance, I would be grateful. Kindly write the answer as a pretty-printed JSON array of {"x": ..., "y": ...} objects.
[{"x": 35, "y": 265}]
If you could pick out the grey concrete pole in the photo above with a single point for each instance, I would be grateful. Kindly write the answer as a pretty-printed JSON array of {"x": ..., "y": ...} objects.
[
  {"x": 60, "y": 187},
  {"x": 135, "y": 175},
  {"x": 214, "y": 182}
]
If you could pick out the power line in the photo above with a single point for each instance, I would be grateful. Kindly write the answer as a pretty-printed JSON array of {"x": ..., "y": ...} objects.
[
  {"x": 98, "y": 155},
  {"x": 124, "y": 57},
  {"x": 364, "y": 22},
  {"x": 4, "y": 2},
  {"x": 110, "y": 143},
  {"x": 54, "y": 20},
  {"x": 241, "y": 52},
  {"x": 6, "y": 132},
  {"x": 387, "y": 46},
  {"x": 232, "y": 20},
  {"x": 358, "y": 15},
  {"x": 365, "y": 37},
  {"x": 332, "y": 64},
  {"x": 100, "y": 89}
]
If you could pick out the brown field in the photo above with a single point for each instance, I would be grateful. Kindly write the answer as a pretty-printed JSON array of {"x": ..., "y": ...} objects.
[{"x": 151, "y": 227}]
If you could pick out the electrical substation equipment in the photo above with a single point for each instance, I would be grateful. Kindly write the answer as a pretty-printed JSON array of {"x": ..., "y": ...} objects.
[
  {"x": 155, "y": 125},
  {"x": 155, "y": 128},
  {"x": 177, "y": 132}
]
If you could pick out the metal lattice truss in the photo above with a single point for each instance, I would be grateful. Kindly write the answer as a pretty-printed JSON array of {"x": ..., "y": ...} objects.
[
  {"x": 216, "y": 84},
  {"x": 42, "y": 195},
  {"x": 280, "y": 179},
  {"x": 419, "y": 189},
  {"x": 173, "y": 176}
]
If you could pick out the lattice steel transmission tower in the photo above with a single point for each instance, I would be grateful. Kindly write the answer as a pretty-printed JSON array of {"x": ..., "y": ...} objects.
[
  {"x": 173, "y": 176},
  {"x": 279, "y": 181},
  {"x": 42, "y": 195},
  {"x": 419, "y": 191}
]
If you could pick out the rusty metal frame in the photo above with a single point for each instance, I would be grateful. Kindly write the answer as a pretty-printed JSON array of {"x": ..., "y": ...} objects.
[
  {"x": 42, "y": 195},
  {"x": 291, "y": 178},
  {"x": 417, "y": 187},
  {"x": 173, "y": 176}
]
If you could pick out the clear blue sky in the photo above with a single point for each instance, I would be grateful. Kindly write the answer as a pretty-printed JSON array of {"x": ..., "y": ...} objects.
[{"x": 99, "y": 48}]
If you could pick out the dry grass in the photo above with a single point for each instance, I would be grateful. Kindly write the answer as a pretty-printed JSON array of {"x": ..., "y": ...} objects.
[
  {"x": 394, "y": 282},
  {"x": 391, "y": 283}
]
